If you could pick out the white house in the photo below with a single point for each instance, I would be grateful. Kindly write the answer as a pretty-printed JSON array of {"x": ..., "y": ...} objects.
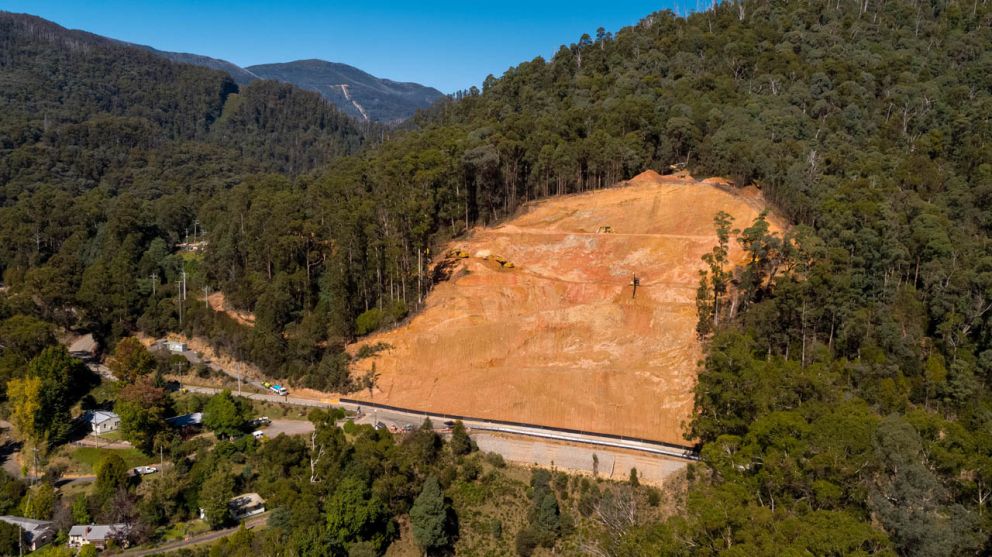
[
  {"x": 103, "y": 421},
  {"x": 97, "y": 534},
  {"x": 36, "y": 532}
]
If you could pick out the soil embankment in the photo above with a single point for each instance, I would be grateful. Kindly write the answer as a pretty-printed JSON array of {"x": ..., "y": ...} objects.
[{"x": 561, "y": 339}]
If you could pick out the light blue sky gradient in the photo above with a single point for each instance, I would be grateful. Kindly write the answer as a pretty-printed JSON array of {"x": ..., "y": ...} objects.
[{"x": 446, "y": 44}]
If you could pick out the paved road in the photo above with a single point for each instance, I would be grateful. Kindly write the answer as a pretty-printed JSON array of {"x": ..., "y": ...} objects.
[
  {"x": 521, "y": 444},
  {"x": 206, "y": 537},
  {"x": 264, "y": 397}
]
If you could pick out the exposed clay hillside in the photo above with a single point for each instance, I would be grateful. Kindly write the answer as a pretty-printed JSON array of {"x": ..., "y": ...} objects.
[{"x": 559, "y": 339}]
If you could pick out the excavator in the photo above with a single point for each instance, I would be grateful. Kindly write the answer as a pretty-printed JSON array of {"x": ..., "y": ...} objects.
[
  {"x": 457, "y": 253},
  {"x": 503, "y": 263},
  {"x": 605, "y": 230}
]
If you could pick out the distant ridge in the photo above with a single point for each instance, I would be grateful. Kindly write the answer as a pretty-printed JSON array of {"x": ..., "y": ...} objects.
[
  {"x": 240, "y": 75},
  {"x": 354, "y": 91}
]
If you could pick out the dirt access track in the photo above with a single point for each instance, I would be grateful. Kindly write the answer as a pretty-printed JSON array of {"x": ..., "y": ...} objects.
[{"x": 560, "y": 339}]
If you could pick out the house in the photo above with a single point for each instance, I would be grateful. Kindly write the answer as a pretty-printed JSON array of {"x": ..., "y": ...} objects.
[
  {"x": 243, "y": 506},
  {"x": 85, "y": 348},
  {"x": 36, "y": 532},
  {"x": 102, "y": 421},
  {"x": 97, "y": 534}
]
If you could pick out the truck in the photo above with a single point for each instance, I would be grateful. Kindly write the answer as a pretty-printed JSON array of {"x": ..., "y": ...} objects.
[{"x": 279, "y": 390}]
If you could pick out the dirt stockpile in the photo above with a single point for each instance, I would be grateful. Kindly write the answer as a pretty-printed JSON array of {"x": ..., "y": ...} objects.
[{"x": 560, "y": 339}]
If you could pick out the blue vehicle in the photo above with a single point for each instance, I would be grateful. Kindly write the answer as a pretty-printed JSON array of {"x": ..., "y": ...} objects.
[{"x": 279, "y": 390}]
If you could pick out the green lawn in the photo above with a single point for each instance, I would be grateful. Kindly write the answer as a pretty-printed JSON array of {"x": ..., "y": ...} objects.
[{"x": 88, "y": 458}]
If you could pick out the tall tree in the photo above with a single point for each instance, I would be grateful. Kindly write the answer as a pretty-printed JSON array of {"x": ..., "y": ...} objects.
[
  {"x": 131, "y": 360},
  {"x": 429, "y": 517},
  {"x": 215, "y": 495},
  {"x": 225, "y": 415},
  {"x": 142, "y": 407}
]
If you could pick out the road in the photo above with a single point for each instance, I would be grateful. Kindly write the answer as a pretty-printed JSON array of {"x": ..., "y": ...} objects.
[
  {"x": 206, "y": 537},
  {"x": 520, "y": 444},
  {"x": 264, "y": 397},
  {"x": 9, "y": 450}
]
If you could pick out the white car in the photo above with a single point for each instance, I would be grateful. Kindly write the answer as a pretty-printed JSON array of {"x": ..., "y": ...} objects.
[
  {"x": 258, "y": 434},
  {"x": 145, "y": 470}
]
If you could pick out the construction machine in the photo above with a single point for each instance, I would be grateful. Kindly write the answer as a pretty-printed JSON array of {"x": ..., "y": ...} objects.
[
  {"x": 502, "y": 261},
  {"x": 605, "y": 230},
  {"x": 457, "y": 253}
]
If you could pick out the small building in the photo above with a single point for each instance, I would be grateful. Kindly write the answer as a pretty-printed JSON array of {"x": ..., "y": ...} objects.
[
  {"x": 243, "y": 506},
  {"x": 36, "y": 532},
  {"x": 176, "y": 347},
  {"x": 102, "y": 421},
  {"x": 84, "y": 347},
  {"x": 186, "y": 420},
  {"x": 97, "y": 534}
]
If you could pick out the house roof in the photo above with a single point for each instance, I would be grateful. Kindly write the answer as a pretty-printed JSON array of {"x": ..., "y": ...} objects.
[
  {"x": 98, "y": 417},
  {"x": 96, "y": 531},
  {"x": 196, "y": 418},
  {"x": 85, "y": 343},
  {"x": 29, "y": 525}
]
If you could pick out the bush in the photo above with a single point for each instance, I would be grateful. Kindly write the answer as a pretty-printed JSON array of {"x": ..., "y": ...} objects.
[
  {"x": 496, "y": 459},
  {"x": 377, "y": 318},
  {"x": 368, "y": 321},
  {"x": 471, "y": 470},
  {"x": 654, "y": 497},
  {"x": 527, "y": 540}
]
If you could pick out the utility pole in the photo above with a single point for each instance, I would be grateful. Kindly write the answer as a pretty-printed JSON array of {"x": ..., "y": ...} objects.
[
  {"x": 154, "y": 278},
  {"x": 206, "y": 296},
  {"x": 179, "y": 289},
  {"x": 184, "y": 283},
  {"x": 239, "y": 377}
]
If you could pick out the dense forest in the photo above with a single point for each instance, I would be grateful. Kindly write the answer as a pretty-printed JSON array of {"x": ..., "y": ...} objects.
[{"x": 845, "y": 403}]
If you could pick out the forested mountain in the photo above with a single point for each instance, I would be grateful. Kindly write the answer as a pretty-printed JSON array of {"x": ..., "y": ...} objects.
[
  {"x": 845, "y": 403},
  {"x": 355, "y": 92},
  {"x": 108, "y": 150}
]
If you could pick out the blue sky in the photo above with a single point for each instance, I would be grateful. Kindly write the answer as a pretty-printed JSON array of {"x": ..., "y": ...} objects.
[{"x": 446, "y": 44}]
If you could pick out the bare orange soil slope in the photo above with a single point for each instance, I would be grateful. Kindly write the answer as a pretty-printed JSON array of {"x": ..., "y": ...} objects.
[{"x": 560, "y": 339}]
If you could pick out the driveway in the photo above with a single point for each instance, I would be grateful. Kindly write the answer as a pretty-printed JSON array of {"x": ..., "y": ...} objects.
[
  {"x": 288, "y": 427},
  {"x": 205, "y": 537}
]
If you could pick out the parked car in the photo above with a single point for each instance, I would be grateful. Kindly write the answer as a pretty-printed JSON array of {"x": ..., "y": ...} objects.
[
  {"x": 258, "y": 434},
  {"x": 409, "y": 427},
  {"x": 260, "y": 421},
  {"x": 266, "y": 384},
  {"x": 145, "y": 470},
  {"x": 279, "y": 390},
  {"x": 380, "y": 426}
]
